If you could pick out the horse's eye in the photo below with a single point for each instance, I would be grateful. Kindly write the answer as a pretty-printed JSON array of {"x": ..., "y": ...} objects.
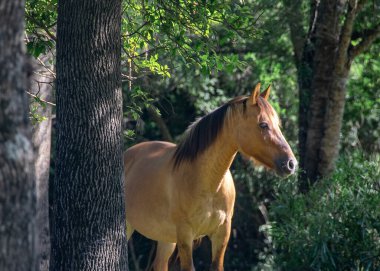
[{"x": 263, "y": 125}]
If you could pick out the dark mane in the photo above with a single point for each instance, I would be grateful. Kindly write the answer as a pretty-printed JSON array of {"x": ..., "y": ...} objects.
[{"x": 202, "y": 133}]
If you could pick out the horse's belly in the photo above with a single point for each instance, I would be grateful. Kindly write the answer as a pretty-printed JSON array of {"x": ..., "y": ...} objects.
[
  {"x": 148, "y": 208},
  {"x": 155, "y": 229}
]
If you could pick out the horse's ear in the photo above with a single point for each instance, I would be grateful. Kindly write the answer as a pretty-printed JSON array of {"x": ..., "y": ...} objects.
[
  {"x": 265, "y": 93},
  {"x": 255, "y": 94}
]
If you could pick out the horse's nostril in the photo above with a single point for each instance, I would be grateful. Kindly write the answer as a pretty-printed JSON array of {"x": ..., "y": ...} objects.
[
  {"x": 286, "y": 165},
  {"x": 291, "y": 164}
]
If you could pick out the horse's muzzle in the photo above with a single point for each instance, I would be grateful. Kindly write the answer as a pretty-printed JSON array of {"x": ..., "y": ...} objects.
[{"x": 286, "y": 166}]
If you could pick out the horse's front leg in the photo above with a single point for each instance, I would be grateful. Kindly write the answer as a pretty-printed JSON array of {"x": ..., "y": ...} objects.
[
  {"x": 163, "y": 253},
  {"x": 219, "y": 241},
  {"x": 185, "y": 247}
]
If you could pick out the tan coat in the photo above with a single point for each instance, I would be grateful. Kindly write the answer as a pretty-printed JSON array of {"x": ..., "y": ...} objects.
[{"x": 177, "y": 201}]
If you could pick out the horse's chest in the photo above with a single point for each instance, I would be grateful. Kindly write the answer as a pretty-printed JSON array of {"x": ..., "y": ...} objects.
[{"x": 208, "y": 217}]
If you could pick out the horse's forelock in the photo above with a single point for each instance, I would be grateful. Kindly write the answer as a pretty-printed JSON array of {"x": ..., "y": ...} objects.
[{"x": 267, "y": 109}]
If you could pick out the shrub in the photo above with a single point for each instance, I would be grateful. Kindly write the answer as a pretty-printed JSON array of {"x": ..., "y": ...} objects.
[{"x": 335, "y": 226}]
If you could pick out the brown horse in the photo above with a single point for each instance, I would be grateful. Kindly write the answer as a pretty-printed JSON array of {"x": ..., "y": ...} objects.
[{"x": 178, "y": 193}]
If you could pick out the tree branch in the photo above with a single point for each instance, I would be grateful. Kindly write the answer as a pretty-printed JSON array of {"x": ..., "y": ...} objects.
[
  {"x": 52, "y": 73},
  {"x": 165, "y": 133},
  {"x": 294, "y": 17},
  {"x": 42, "y": 100},
  {"x": 39, "y": 24},
  {"x": 361, "y": 34},
  {"x": 366, "y": 42},
  {"x": 135, "y": 31},
  {"x": 346, "y": 32},
  {"x": 361, "y": 5}
]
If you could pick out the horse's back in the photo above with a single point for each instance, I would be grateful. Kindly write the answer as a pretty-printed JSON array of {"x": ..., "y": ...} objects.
[
  {"x": 148, "y": 155},
  {"x": 146, "y": 150},
  {"x": 147, "y": 160}
]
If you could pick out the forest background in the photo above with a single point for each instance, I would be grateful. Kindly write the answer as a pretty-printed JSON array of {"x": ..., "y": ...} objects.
[{"x": 182, "y": 59}]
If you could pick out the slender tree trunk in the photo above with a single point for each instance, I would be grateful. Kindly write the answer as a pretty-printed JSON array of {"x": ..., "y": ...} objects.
[
  {"x": 304, "y": 57},
  {"x": 164, "y": 130},
  {"x": 42, "y": 82},
  {"x": 88, "y": 218},
  {"x": 17, "y": 187}
]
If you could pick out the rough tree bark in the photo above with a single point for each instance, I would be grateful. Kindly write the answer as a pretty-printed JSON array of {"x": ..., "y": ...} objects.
[
  {"x": 17, "y": 187},
  {"x": 323, "y": 73},
  {"x": 88, "y": 219},
  {"x": 42, "y": 86}
]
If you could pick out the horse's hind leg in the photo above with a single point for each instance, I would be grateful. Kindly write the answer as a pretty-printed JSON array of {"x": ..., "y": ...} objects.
[
  {"x": 130, "y": 230},
  {"x": 163, "y": 253}
]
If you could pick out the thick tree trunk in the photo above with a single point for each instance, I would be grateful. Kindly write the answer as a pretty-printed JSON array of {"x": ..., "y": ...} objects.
[
  {"x": 330, "y": 143},
  {"x": 42, "y": 82},
  {"x": 17, "y": 187},
  {"x": 323, "y": 74},
  {"x": 324, "y": 62},
  {"x": 88, "y": 221}
]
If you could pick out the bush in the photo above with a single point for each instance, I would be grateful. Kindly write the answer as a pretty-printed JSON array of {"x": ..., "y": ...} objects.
[{"x": 336, "y": 226}]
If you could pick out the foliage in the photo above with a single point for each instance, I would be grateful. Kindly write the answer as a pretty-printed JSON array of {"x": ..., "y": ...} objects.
[
  {"x": 336, "y": 226},
  {"x": 34, "y": 114},
  {"x": 161, "y": 37},
  {"x": 135, "y": 101},
  {"x": 139, "y": 100},
  {"x": 186, "y": 30},
  {"x": 189, "y": 93},
  {"x": 361, "y": 125},
  {"x": 41, "y": 19},
  {"x": 254, "y": 186}
]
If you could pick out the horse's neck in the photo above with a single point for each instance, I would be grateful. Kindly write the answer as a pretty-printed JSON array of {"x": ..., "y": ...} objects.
[{"x": 215, "y": 162}]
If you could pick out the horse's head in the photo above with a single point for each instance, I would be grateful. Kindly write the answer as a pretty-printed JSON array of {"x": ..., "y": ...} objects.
[{"x": 258, "y": 135}]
